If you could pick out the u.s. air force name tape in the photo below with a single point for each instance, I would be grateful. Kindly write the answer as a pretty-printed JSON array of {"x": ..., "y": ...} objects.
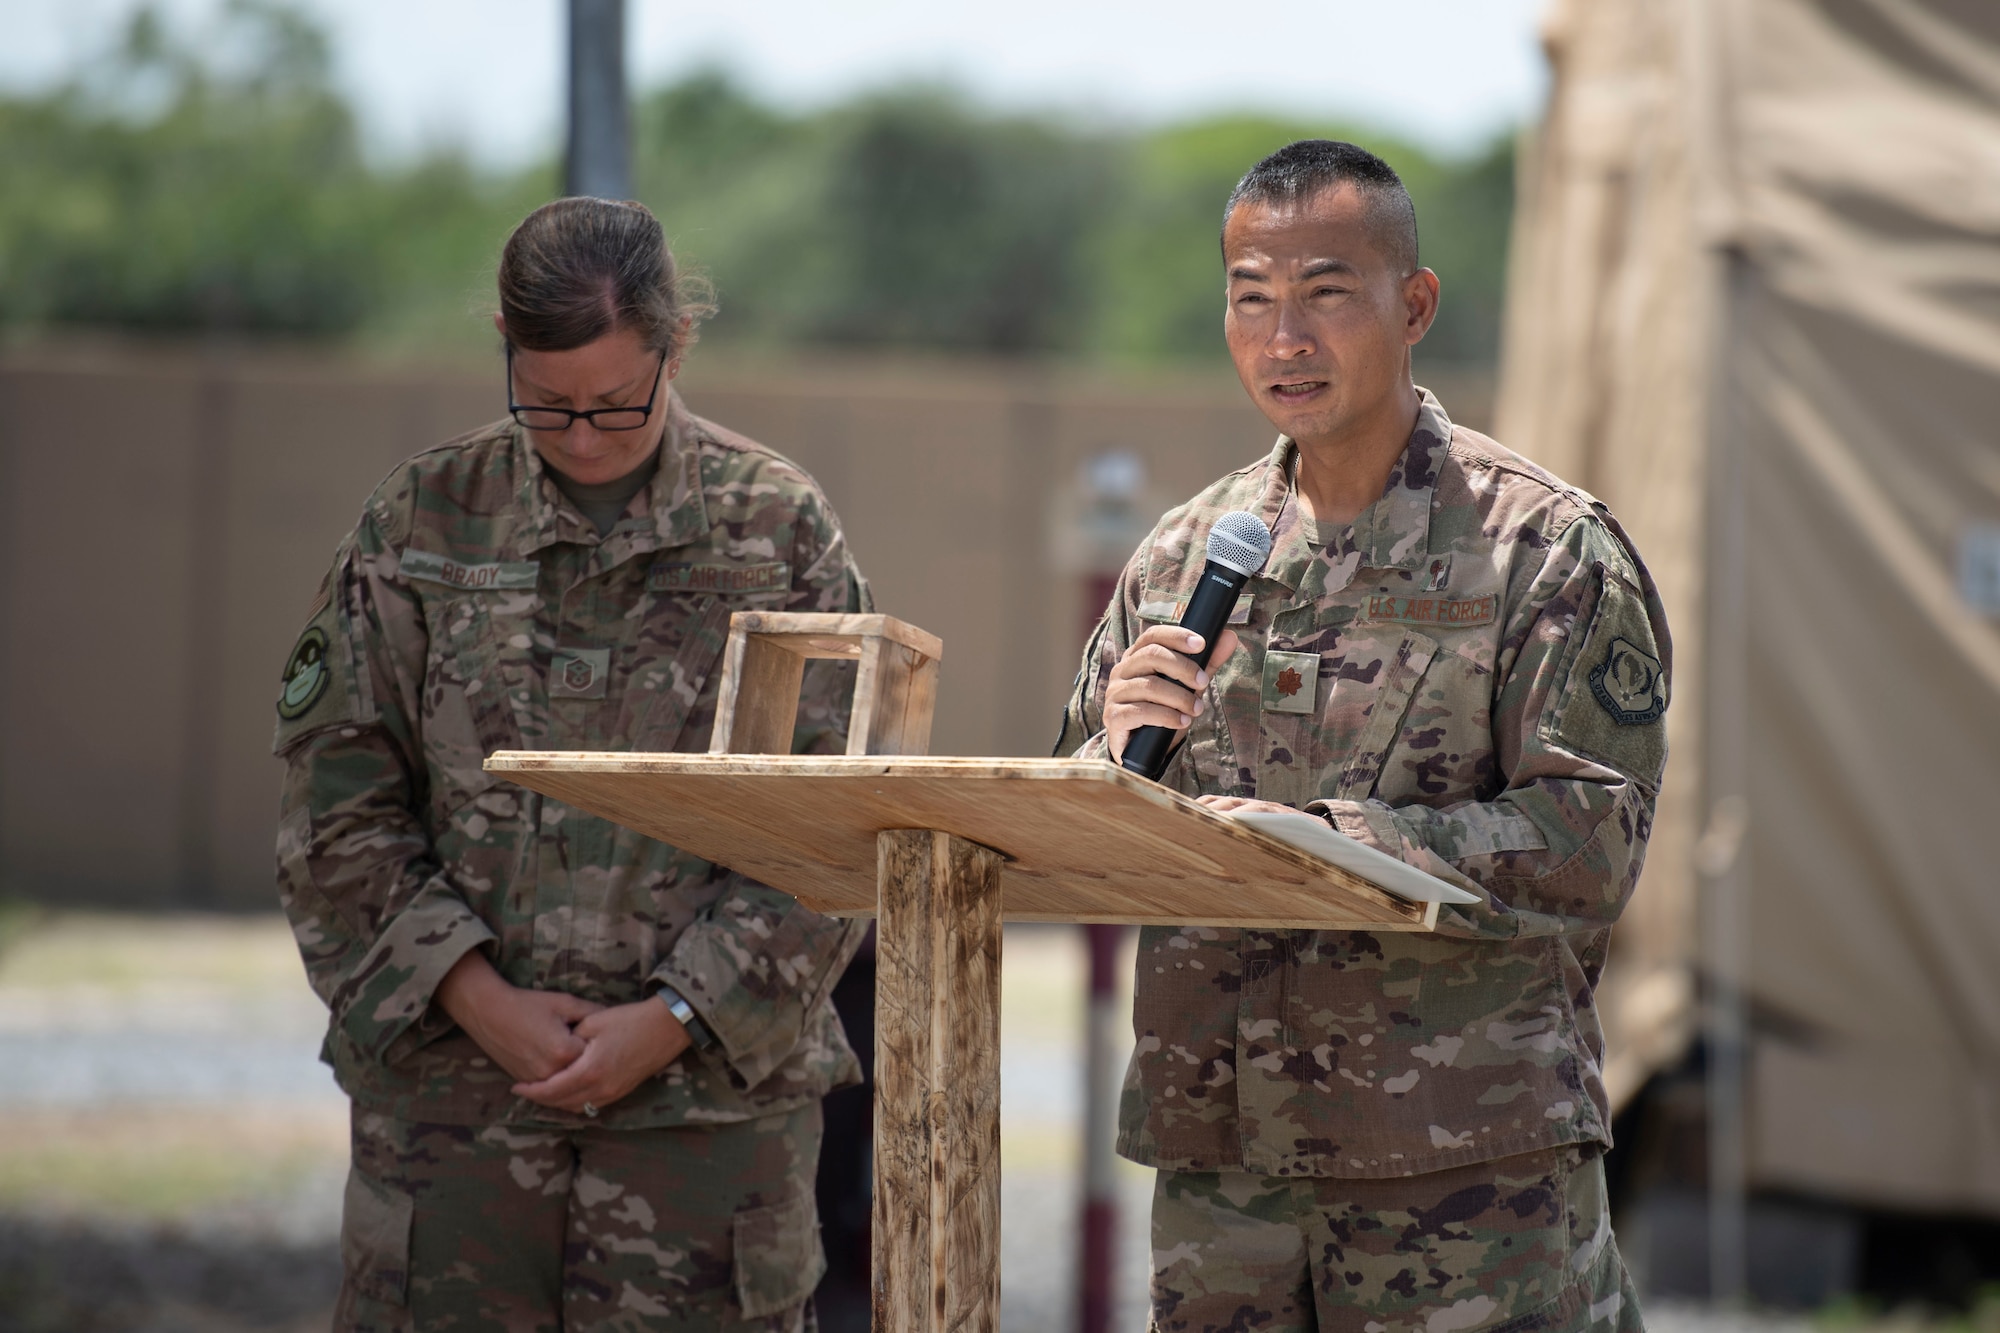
[{"x": 693, "y": 576}]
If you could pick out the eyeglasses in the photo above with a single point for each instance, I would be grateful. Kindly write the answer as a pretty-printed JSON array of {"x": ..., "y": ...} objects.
[{"x": 601, "y": 418}]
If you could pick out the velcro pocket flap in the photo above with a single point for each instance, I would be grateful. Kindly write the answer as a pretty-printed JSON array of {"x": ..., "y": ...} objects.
[
  {"x": 1405, "y": 666},
  {"x": 779, "y": 1260},
  {"x": 375, "y": 1239}
]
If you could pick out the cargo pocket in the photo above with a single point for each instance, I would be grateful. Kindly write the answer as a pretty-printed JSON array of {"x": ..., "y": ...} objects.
[
  {"x": 375, "y": 1239},
  {"x": 778, "y": 1256},
  {"x": 1395, "y": 666}
]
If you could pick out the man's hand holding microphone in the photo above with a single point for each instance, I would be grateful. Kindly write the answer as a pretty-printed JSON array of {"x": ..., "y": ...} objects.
[
  {"x": 1155, "y": 692},
  {"x": 1157, "y": 684}
]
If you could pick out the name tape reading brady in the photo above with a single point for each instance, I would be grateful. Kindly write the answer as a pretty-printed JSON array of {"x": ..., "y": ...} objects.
[
  {"x": 678, "y": 576},
  {"x": 435, "y": 568}
]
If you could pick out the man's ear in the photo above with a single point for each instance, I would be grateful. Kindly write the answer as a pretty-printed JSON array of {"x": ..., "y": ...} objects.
[
  {"x": 1420, "y": 305},
  {"x": 499, "y": 323}
]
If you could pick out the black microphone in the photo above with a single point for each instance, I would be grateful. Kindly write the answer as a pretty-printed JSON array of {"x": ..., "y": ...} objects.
[{"x": 1238, "y": 545}]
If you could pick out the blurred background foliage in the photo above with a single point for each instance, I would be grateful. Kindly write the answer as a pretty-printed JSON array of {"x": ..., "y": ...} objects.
[{"x": 216, "y": 183}]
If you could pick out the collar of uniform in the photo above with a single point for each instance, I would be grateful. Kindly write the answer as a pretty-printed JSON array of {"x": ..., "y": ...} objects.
[
  {"x": 1392, "y": 533},
  {"x": 679, "y": 514}
]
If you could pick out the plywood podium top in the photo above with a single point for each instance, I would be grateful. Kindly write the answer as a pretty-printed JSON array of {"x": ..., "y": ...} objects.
[{"x": 1085, "y": 840}]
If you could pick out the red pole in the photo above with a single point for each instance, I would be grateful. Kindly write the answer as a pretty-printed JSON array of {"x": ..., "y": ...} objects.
[
  {"x": 1096, "y": 1272},
  {"x": 1095, "y": 1286}
]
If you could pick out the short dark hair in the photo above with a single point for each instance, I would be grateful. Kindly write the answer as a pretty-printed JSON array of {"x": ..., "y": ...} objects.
[
  {"x": 1300, "y": 170},
  {"x": 579, "y": 268}
]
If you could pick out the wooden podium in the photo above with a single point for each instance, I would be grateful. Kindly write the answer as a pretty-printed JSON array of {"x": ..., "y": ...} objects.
[{"x": 940, "y": 850}]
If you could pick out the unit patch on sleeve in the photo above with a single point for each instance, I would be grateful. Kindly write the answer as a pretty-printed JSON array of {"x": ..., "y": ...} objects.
[
  {"x": 306, "y": 675},
  {"x": 318, "y": 688},
  {"x": 1630, "y": 684},
  {"x": 1615, "y": 687},
  {"x": 718, "y": 576}
]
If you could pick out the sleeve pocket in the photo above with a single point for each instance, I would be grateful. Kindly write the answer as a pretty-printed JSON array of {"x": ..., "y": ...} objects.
[
  {"x": 778, "y": 1256},
  {"x": 375, "y": 1239}
]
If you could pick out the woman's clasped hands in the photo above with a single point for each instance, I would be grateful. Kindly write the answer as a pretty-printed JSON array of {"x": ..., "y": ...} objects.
[{"x": 565, "y": 1051}]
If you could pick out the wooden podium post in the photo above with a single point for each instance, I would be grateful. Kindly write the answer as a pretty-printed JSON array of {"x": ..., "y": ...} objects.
[
  {"x": 937, "y": 1084},
  {"x": 940, "y": 849},
  {"x": 936, "y": 1206}
]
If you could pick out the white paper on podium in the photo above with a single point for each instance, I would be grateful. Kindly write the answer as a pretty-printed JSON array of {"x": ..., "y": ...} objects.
[{"x": 1310, "y": 833}]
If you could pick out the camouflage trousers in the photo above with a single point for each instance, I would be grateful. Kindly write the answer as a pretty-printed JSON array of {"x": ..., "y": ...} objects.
[
  {"x": 1523, "y": 1242},
  {"x": 505, "y": 1228}
]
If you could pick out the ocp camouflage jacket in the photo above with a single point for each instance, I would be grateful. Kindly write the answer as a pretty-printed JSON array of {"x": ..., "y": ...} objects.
[
  {"x": 475, "y": 609},
  {"x": 1470, "y": 677}
]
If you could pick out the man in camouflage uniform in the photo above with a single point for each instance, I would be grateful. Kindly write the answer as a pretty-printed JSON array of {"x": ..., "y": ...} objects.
[
  {"x": 475, "y": 608},
  {"x": 1455, "y": 658}
]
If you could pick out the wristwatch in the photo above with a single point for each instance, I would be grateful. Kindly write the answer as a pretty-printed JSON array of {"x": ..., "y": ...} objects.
[{"x": 677, "y": 1005}]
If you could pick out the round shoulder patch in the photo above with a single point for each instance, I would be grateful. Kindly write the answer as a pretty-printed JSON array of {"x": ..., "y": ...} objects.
[
  {"x": 1628, "y": 684},
  {"x": 306, "y": 675}
]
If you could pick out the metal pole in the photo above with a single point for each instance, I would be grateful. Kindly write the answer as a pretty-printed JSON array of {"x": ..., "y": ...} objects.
[
  {"x": 1096, "y": 1289},
  {"x": 598, "y": 160},
  {"x": 1723, "y": 858}
]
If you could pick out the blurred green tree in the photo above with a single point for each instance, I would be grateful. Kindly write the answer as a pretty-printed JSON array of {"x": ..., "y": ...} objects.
[
  {"x": 165, "y": 191},
  {"x": 182, "y": 185},
  {"x": 902, "y": 219},
  {"x": 1158, "y": 258}
]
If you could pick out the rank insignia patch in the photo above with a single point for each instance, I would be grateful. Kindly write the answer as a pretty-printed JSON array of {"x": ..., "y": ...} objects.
[
  {"x": 1628, "y": 686},
  {"x": 306, "y": 675},
  {"x": 579, "y": 673},
  {"x": 1290, "y": 682}
]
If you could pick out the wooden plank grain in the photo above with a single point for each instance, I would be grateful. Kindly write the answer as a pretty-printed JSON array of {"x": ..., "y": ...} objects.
[
  {"x": 937, "y": 1090},
  {"x": 965, "y": 1023},
  {"x": 814, "y": 624},
  {"x": 757, "y": 706},
  {"x": 1085, "y": 841}
]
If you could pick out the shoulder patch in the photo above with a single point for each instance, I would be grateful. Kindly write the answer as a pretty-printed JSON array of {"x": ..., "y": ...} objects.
[
  {"x": 306, "y": 675},
  {"x": 1630, "y": 684},
  {"x": 1615, "y": 688},
  {"x": 317, "y": 688}
]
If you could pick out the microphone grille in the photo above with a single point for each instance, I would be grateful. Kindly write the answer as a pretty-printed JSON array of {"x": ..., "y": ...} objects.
[{"x": 1239, "y": 541}]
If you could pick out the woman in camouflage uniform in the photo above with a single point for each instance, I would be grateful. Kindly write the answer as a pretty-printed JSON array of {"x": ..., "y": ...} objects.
[{"x": 586, "y": 1068}]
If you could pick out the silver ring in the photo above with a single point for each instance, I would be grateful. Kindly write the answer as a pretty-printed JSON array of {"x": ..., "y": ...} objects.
[{"x": 590, "y": 1110}]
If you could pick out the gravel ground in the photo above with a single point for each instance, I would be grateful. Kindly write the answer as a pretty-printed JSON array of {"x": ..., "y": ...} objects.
[{"x": 172, "y": 1152}]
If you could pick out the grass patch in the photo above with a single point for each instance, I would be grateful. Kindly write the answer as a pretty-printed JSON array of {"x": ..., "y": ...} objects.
[
  {"x": 18, "y": 918},
  {"x": 159, "y": 1165},
  {"x": 114, "y": 948}
]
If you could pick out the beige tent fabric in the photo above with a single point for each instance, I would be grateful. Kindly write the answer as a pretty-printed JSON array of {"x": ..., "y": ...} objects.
[
  {"x": 1810, "y": 288},
  {"x": 1601, "y": 382}
]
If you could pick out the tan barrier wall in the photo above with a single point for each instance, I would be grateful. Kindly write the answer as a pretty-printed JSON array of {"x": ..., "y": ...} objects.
[{"x": 166, "y": 517}]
